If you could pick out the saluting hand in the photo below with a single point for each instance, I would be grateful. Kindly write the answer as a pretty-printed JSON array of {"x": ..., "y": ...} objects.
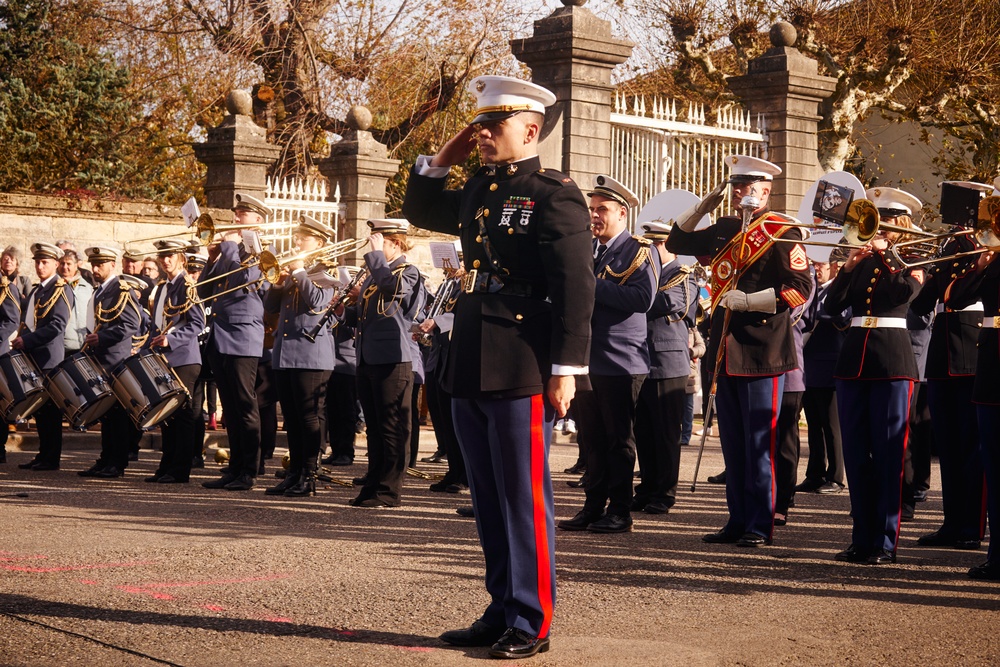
[
  {"x": 458, "y": 148},
  {"x": 375, "y": 241}
]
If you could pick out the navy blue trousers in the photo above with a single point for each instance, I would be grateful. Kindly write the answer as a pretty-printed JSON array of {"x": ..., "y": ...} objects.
[
  {"x": 874, "y": 426},
  {"x": 956, "y": 433},
  {"x": 989, "y": 449},
  {"x": 748, "y": 428},
  {"x": 506, "y": 447}
]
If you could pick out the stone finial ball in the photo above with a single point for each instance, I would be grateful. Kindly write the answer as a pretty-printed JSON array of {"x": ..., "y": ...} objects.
[
  {"x": 783, "y": 34},
  {"x": 574, "y": 3},
  {"x": 359, "y": 118},
  {"x": 239, "y": 103}
]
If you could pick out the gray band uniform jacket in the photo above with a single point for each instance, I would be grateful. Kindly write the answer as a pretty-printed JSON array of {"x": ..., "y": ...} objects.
[
  {"x": 618, "y": 326},
  {"x": 345, "y": 356},
  {"x": 182, "y": 328},
  {"x": 237, "y": 319},
  {"x": 667, "y": 323},
  {"x": 45, "y": 343},
  {"x": 758, "y": 344},
  {"x": 300, "y": 303},
  {"x": 385, "y": 310},
  {"x": 878, "y": 286},
  {"x": 10, "y": 312},
  {"x": 968, "y": 287},
  {"x": 115, "y": 338},
  {"x": 504, "y": 343}
]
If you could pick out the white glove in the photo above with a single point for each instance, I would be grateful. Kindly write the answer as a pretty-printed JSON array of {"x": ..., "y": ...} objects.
[
  {"x": 689, "y": 219},
  {"x": 758, "y": 302}
]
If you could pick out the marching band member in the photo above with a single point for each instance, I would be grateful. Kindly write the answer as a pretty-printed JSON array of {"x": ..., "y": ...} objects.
[
  {"x": 114, "y": 320},
  {"x": 204, "y": 386},
  {"x": 10, "y": 317},
  {"x": 301, "y": 367},
  {"x": 236, "y": 343},
  {"x": 76, "y": 328},
  {"x": 875, "y": 375},
  {"x": 757, "y": 283},
  {"x": 342, "y": 394},
  {"x": 662, "y": 399},
  {"x": 383, "y": 315},
  {"x": 43, "y": 328},
  {"x": 176, "y": 322},
  {"x": 627, "y": 275},
  {"x": 522, "y": 331}
]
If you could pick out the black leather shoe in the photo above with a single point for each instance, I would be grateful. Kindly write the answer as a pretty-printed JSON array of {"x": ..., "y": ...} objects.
[
  {"x": 656, "y": 507},
  {"x": 721, "y": 537},
  {"x": 342, "y": 460},
  {"x": 830, "y": 488},
  {"x": 242, "y": 483},
  {"x": 109, "y": 472},
  {"x": 29, "y": 465},
  {"x": 282, "y": 486},
  {"x": 638, "y": 504},
  {"x": 753, "y": 540},
  {"x": 436, "y": 457},
  {"x": 920, "y": 496},
  {"x": 440, "y": 486},
  {"x": 92, "y": 470},
  {"x": 478, "y": 634},
  {"x": 936, "y": 539},
  {"x": 516, "y": 643},
  {"x": 305, "y": 485},
  {"x": 780, "y": 518},
  {"x": 45, "y": 466},
  {"x": 581, "y": 521},
  {"x": 808, "y": 486},
  {"x": 611, "y": 523},
  {"x": 152, "y": 479},
  {"x": 371, "y": 502},
  {"x": 466, "y": 511},
  {"x": 718, "y": 479},
  {"x": 456, "y": 488},
  {"x": 170, "y": 479},
  {"x": 359, "y": 481},
  {"x": 967, "y": 545},
  {"x": 219, "y": 483},
  {"x": 577, "y": 483},
  {"x": 882, "y": 557},
  {"x": 852, "y": 554},
  {"x": 988, "y": 570},
  {"x": 577, "y": 468},
  {"x": 906, "y": 512}
]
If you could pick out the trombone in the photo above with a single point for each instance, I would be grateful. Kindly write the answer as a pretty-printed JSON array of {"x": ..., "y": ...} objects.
[
  {"x": 206, "y": 229},
  {"x": 986, "y": 233},
  {"x": 861, "y": 224}
]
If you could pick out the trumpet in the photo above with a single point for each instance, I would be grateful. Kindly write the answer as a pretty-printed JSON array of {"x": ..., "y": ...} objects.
[{"x": 986, "y": 233}]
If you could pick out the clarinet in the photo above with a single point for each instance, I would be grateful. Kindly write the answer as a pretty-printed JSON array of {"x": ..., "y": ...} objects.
[
  {"x": 328, "y": 313},
  {"x": 440, "y": 301}
]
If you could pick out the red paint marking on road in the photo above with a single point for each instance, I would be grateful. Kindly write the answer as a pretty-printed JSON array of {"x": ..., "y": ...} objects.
[
  {"x": 219, "y": 582},
  {"x": 213, "y": 607},
  {"x": 156, "y": 595},
  {"x": 72, "y": 568}
]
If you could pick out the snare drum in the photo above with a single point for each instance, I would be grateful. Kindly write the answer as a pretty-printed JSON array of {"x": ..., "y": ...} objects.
[
  {"x": 81, "y": 390},
  {"x": 148, "y": 388},
  {"x": 22, "y": 387}
]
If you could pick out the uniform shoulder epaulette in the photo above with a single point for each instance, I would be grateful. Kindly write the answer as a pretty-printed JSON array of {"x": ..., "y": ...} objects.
[
  {"x": 555, "y": 176},
  {"x": 401, "y": 268},
  {"x": 686, "y": 268},
  {"x": 61, "y": 282},
  {"x": 189, "y": 279},
  {"x": 642, "y": 240},
  {"x": 123, "y": 286}
]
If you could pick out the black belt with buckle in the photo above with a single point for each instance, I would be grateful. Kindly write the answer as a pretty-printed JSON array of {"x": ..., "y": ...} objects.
[{"x": 490, "y": 283}]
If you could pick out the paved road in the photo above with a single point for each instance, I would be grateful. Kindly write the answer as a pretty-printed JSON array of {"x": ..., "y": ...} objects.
[{"x": 126, "y": 573}]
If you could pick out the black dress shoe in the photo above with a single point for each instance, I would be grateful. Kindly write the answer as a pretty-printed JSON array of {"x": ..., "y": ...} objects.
[
  {"x": 516, "y": 643},
  {"x": 242, "y": 483},
  {"x": 753, "y": 540},
  {"x": 581, "y": 521},
  {"x": 45, "y": 466},
  {"x": 92, "y": 470},
  {"x": 936, "y": 539},
  {"x": 440, "y": 486},
  {"x": 478, "y": 634},
  {"x": 967, "y": 545},
  {"x": 342, "y": 460},
  {"x": 780, "y": 519},
  {"x": 372, "y": 503},
  {"x": 152, "y": 479},
  {"x": 436, "y": 457},
  {"x": 638, "y": 504},
  {"x": 852, "y": 554},
  {"x": 906, "y": 512},
  {"x": 219, "y": 483},
  {"x": 577, "y": 468},
  {"x": 359, "y": 481},
  {"x": 282, "y": 486},
  {"x": 466, "y": 511},
  {"x": 170, "y": 479},
  {"x": 721, "y": 537},
  {"x": 109, "y": 472},
  {"x": 830, "y": 488},
  {"x": 882, "y": 557},
  {"x": 718, "y": 479},
  {"x": 577, "y": 483},
  {"x": 29, "y": 465},
  {"x": 920, "y": 496},
  {"x": 656, "y": 507},
  {"x": 611, "y": 523},
  {"x": 808, "y": 486},
  {"x": 457, "y": 487},
  {"x": 989, "y": 571}
]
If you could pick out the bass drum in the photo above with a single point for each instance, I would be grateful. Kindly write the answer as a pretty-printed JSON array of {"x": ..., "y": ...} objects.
[
  {"x": 148, "y": 388},
  {"x": 81, "y": 390},
  {"x": 22, "y": 387}
]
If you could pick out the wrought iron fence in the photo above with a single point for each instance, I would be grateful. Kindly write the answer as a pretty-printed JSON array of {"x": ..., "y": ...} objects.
[{"x": 292, "y": 198}]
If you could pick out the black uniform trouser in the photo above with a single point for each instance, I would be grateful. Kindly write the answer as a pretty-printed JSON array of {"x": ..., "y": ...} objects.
[
  {"x": 48, "y": 421},
  {"x": 267, "y": 406},
  {"x": 439, "y": 405},
  {"x": 117, "y": 437},
  {"x": 180, "y": 445},
  {"x": 826, "y": 454},
  {"x": 236, "y": 377},
  {"x": 658, "y": 415},
  {"x": 386, "y": 392},
  {"x": 198, "y": 411},
  {"x": 917, "y": 457},
  {"x": 302, "y": 393},
  {"x": 414, "y": 423},
  {"x": 606, "y": 416},
  {"x": 341, "y": 413},
  {"x": 786, "y": 455}
]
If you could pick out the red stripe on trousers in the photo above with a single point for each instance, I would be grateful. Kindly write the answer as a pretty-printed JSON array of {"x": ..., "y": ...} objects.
[
  {"x": 902, "y": 467},
  {"x": 775, "y": 406},
  {"x": 538, "y": 513}
]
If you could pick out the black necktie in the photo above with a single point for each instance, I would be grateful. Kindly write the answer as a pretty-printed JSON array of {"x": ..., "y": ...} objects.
[{"x": 601, "y": 250}]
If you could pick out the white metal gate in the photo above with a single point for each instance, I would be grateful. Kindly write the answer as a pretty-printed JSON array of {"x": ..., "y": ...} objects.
[
  {"x": 656, "y": 152},
  {"x": 291, "y": 199}
]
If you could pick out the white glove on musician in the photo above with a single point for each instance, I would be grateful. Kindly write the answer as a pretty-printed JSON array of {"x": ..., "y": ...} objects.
[
  {"x": 757, "y": 302},
  {"x": 690, "y": 218}
]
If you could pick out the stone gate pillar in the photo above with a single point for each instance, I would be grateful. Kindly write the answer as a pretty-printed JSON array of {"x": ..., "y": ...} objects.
[
  {"x": 572, "y": 53},
  {"x": 784, "y": 86},
  {"x": 236, "y": 153},
  {"x": 362, "y": 168}
]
